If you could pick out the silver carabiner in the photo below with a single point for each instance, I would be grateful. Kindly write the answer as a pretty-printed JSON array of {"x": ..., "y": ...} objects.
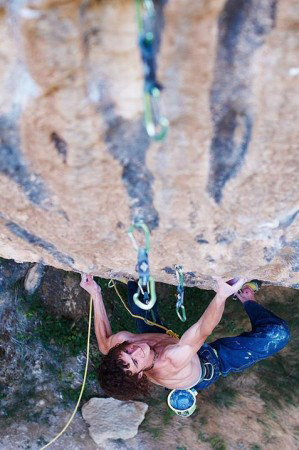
[
  {"x": 213, "y": 370},
  {"x": 180, "y": 308}
]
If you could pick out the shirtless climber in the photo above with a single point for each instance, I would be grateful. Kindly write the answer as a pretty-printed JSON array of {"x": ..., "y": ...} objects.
[{"x": 132, "y": 360}]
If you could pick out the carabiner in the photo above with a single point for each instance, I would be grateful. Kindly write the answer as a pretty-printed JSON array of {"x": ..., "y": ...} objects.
[
  {"x": 156, "y": 125},
  {"x": 146, "y": 283},
  {"x": 179, "y": 275},
  {"x": 145, "y": 229},
  {"x": 180, "y": 308},
  {"x": 181, "y": 314},
  {"x": 149, "y": 294},
  {"x": 145, "y": 11}
]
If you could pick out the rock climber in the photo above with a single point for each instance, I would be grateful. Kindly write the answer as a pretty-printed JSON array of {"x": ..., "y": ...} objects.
[{"x": 131, "y": 361}]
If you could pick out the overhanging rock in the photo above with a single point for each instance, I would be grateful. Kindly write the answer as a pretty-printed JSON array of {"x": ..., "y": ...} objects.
[{"x": 220, "y": 194}]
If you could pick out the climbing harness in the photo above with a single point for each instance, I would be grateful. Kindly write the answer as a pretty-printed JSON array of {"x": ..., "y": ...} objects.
[
  {"x": 146, "y": 283},
  {"x": 156, "y": 124},
  {"x": 180, "y": 308},
  {"x": 171, "y": 333},
  {"x": 83, "y": 384}
]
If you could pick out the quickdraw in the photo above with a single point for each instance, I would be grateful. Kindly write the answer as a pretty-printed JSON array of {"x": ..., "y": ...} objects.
[
  {"x": 146, "y": 283},
  {"x": 148, "y": 322},
  {"x": 156, "y": 124},
  {"x": 180, "y": 308}
]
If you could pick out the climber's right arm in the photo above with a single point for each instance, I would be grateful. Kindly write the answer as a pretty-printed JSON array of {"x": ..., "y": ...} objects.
[
  {"x": 101, "y": 322},
  {"x": 105, "y": 338}
]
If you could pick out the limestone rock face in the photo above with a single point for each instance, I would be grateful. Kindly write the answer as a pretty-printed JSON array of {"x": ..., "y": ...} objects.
[
  {"x": 127, "y": 416},
  {"x": 220, "y": 193},
  {"x": 60, "y": 293}
]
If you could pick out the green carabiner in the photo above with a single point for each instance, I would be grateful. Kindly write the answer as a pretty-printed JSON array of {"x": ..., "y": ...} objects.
[
  {"x": 143, "y": 8},
  {"x": 145, "y": 229},
  {"x": 181, "y": 314},
  {"x": 155, "y": 124},
  {"x": 179, "y": 275}
]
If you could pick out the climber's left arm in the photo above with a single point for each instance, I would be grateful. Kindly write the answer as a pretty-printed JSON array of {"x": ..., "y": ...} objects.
[{"x": 182, "y": 353}]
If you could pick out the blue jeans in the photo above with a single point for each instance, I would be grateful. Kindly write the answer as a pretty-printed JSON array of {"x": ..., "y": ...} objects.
[{"x": 269, "y": 335}]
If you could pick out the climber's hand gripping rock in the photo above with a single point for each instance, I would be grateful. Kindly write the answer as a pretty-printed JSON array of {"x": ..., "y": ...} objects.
[{"x": 88, "y": 283}]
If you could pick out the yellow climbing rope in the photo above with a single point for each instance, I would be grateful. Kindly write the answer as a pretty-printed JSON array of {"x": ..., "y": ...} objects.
[
  {"x": 84, "y": 380},
  {"x": 149, "y": 322}
]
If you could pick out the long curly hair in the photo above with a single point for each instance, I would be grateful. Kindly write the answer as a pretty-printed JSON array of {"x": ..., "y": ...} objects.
[{"x": 117, "y": 381}]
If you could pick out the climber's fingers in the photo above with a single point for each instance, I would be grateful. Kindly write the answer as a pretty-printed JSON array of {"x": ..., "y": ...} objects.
[{"x": 86, "y": 280}]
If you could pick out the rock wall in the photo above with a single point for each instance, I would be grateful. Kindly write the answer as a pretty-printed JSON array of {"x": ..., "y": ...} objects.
[{"x": 220, "y": 194}]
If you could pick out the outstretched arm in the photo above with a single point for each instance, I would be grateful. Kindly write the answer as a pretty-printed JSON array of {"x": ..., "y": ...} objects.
[
  {"x": 195, "y": 336},
  {"x": 101, "y": 322},
  {"x": 198, "y": 333}
]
